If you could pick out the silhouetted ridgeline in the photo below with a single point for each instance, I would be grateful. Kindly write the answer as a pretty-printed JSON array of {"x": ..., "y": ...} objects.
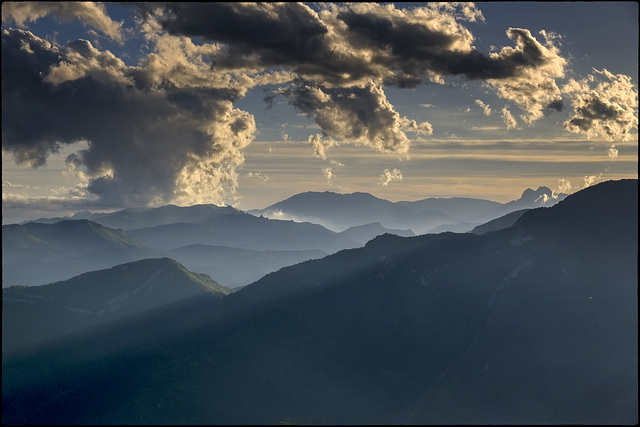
[{"x": 531, "y": 324}]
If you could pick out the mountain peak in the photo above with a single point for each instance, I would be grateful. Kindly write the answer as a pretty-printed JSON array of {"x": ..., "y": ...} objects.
[{"x": 531, "y": 195}]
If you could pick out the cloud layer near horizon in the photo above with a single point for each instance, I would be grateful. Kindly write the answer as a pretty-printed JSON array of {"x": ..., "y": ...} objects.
[{"x": 166, "y": 130}]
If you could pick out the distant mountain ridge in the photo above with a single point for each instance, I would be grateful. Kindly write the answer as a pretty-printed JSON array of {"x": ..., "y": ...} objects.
[
  {"x": 247, "y": 247},
  {"x": 37, "y": 254},
  {"x": 132, "y": 218},
  {"x": 339, "y": 211},
  {"x": 536, "y": 323}
]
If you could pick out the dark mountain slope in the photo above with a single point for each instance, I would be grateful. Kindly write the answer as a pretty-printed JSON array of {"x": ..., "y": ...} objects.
[
  {"x": 504, "y": 221},
  {"x": 536, "y": 323},
  {"x": 39, "y": 314},
  {"x": 559, "y": 345}
]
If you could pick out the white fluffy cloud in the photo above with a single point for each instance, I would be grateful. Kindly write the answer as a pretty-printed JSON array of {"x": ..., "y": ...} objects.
[
  {"x": 532, "y": 84},
  {"x": 389, "y": 176},
  {"x": 92, "y": 14},
  {"x": 604, "y": 105},
  {"x": 508, "y": 119},
  {"x": 486, "y": 108}
]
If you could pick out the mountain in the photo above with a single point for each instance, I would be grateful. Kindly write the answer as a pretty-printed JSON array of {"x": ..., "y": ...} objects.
[
  {"x": 460, "y": 209},
  {"x": 38, "y": 314},
  {"x": 542, "y": 197},
  {"x": 461, "y": 227},
  {"x": 499, "y": 223},
  {"x": 469, "y": 212},
  {"x": 242, "y": 230},
  {"x": 341, "y": 211},
  {"x": 235, "y": 267},
  {"x": 364, "y": 233},
  {"x": 132, "y": 218},
  {"x": 433, "y": 215},
  {"x": 536, "y": 323},
  {"x": 36, "y": 254},
  {"x": 246, "y": 247},
  {"x": 171, "y": 227}
]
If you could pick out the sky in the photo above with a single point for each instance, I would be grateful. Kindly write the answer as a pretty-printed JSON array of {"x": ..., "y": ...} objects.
[{"x": 114, "y": 105}]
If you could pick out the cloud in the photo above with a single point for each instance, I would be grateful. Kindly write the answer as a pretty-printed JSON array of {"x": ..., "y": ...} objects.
[
  {"x": 589, "y": 180},
  {"x": 321, "y": 144},
  {"x": 508, "y": 118},
  {"x": 338, "y": 45},
  {"x": 258, "y": 175},
  {"x": 328, "y": 173},
  {"x": 355, "y": 115},
  {"x": 10, "y": 185},
  {"x": 167, "y": 131},
  {"x": 350, "y": 45},
  {"x": 91, "y": 14},
  {"x": 63, "y": 198},
  {"x": 564, "y": 186},
  {"x": 604, "y": 105},
  {"x": 532, "y": 72},
  {"x": 152, "y": 140},
  {"x": 485, "y": 107},
  {"x": 389, "y": 176},
  {"x": 81, "y": 59},
  {"x": 612, "y": 152}
]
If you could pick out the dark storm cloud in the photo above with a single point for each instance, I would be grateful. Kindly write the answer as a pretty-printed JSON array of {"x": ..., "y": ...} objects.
[
  {"x": 415, "y": 48},
  {"x": 354, "y": 114},
  {"x": 351, "y": 45},
  {"x": 357, "y": 40},
  {"x": 141, "y": 142},
  {"x": 261, "y": 35},
  {"x": 281, "y": 33}
]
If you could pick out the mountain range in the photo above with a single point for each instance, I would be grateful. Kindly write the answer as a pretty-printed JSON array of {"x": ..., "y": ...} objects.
[
  {"x": 37, "y": 254},
  {"x": 235, "y": 247},
  {"x": 340, "y": 211},
  {"x": 536, "y": 323}
]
